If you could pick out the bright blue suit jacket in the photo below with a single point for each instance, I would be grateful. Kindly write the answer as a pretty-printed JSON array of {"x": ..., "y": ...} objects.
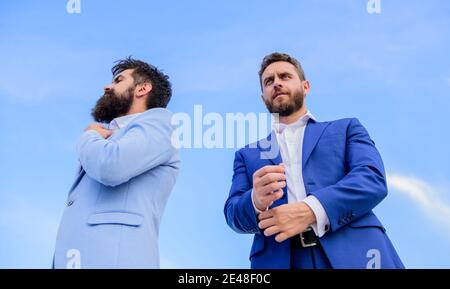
[
  {"x": 115, "y": 205},
  {"x": 344, "y": 171}
]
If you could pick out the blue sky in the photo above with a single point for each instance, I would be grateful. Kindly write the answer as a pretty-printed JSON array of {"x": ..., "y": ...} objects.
[{"x": 391, "y": 70}]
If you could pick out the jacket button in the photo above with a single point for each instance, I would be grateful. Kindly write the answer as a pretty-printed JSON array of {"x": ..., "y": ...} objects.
[
  {"x": 70, "y": 203},
  {"x": 326, "y": 228}
]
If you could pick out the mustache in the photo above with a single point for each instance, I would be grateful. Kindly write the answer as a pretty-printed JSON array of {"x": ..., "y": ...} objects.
[
  {"x": 108, "y": 93},
  {"x": 278, "y": 91}
]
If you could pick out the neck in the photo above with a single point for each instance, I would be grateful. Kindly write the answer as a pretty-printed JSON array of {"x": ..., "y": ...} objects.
[
  {"x": 136, "y": 109},
  {"x": 293, "y": 117}
]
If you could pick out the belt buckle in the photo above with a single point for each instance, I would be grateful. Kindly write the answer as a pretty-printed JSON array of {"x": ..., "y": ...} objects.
[{"x": 302, "y": 239}]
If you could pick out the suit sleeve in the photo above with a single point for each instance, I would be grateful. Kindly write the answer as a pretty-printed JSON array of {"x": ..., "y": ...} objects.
[
  {"x": 145, "y": 145},
  {"x": 362, "y": 188},
  {"x": 239, "y": 211}
]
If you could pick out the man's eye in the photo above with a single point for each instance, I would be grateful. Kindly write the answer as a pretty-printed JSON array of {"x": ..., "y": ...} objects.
[{"x": 269, "y": 81}]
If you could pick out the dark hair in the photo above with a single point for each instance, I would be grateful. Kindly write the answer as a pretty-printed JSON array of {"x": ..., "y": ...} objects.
[
  {"x": 275, "y": 57},
  {"x": 144, "y": 72}
]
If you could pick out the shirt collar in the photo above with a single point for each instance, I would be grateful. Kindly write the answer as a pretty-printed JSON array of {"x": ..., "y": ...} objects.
[
  {"x": 122, "y": 121},
  {"x": 302, "y": 121}
]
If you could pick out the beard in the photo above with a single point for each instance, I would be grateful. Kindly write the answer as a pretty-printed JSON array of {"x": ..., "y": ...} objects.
[
  {"x": 112, "y": 105},
  {"x": 286, "y": 107}
]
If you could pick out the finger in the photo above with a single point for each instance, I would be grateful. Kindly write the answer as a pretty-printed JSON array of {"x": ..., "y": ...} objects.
[
  {"x": 269, "y": 199},
  {"x": 283, "y": 236},
  {"x": 266, "y": 223},
  {"x": 271, "y": 231},
  {"x": 277, "y": 195},
  {"x": 265, "y": 215},
  {"x": 271, "y": 177},
  {"x": 104, "y": 129},
  {"x": 269, "y": 169},
  {"x": 263, "y": 200},
  {"x": 272, "y": 187}
]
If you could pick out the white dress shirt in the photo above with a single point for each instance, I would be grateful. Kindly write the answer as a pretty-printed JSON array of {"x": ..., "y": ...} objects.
[
  {"x": 122, "y": 121},
  {"x": 290, "y": 141}
]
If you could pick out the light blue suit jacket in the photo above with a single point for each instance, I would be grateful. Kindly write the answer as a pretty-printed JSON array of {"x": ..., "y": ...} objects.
[{"x": 115, "y": 205}]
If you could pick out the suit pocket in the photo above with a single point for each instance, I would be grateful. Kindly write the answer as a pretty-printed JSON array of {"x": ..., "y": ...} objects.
[
  {"x": 369, "y": 220},
  {"x": 116, "y": 218}
]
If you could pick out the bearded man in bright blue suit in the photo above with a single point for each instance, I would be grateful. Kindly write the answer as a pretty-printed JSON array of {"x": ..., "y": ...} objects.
[
  {"x": 127, "y": 171},
  {"x": 307, "y": 191}
]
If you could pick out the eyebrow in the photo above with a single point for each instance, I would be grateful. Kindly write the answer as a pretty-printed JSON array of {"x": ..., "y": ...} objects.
[
  {"x": 267, "y": 78},
  {"x": 271, "y": 76},
  {"x": 117, "y": 77},
  {"x": 284, "y": 73}
]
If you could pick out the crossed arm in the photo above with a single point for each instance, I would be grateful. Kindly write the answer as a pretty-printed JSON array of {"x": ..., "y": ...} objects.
[{"x": 145, "y": 145}]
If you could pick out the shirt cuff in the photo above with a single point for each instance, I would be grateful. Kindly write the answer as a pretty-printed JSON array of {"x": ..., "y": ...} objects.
[
  {"x": 322, "y": 224},
  {"x": 254, "y": 206}
]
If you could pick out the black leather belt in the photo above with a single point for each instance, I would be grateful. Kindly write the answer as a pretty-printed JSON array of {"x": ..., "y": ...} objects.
[{"x": 306, "y": 239}]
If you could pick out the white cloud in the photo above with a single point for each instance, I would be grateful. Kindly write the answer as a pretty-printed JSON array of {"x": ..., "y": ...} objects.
[{"x": 423, "y": 194}]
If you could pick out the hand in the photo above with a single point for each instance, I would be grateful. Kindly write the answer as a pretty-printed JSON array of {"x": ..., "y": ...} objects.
[
  {"x": 286, "y": 220},
  {"x": 268, "y": 184},
  {"x": 105, "y": 133}
]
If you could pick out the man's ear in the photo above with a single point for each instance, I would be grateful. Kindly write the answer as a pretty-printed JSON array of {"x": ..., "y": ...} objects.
[
  {"x": 143, "y": 89},
  {"x": 306, "y": 86}
]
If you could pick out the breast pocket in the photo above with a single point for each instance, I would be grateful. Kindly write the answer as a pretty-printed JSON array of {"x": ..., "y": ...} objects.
[{"x": 116, "y": 218}]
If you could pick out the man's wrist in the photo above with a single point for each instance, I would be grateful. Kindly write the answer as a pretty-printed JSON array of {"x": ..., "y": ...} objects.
[
  {"x": 257, "y": 210},
  {"x": 310, "y": 216}
]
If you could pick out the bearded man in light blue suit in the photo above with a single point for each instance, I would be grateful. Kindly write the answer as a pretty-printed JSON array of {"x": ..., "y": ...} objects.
[{"x": 127, "y": 172}]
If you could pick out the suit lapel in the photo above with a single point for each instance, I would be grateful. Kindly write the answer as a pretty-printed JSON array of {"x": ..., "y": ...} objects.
[
  {"x": 313, "y": 132},
  {"x": 78, "y": 178},
  {"x": 270, "y": 150}
]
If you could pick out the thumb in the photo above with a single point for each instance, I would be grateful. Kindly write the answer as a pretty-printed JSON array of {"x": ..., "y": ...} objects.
[{"x": 279, "y": 194}]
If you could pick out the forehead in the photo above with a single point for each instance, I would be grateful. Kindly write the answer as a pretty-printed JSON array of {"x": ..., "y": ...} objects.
[{"x": 279, "y": 67}]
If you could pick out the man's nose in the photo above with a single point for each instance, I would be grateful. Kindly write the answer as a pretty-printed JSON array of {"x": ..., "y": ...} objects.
[
  {"x": 107, "y": 88},
  {"x": 277, "y": 84}
]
